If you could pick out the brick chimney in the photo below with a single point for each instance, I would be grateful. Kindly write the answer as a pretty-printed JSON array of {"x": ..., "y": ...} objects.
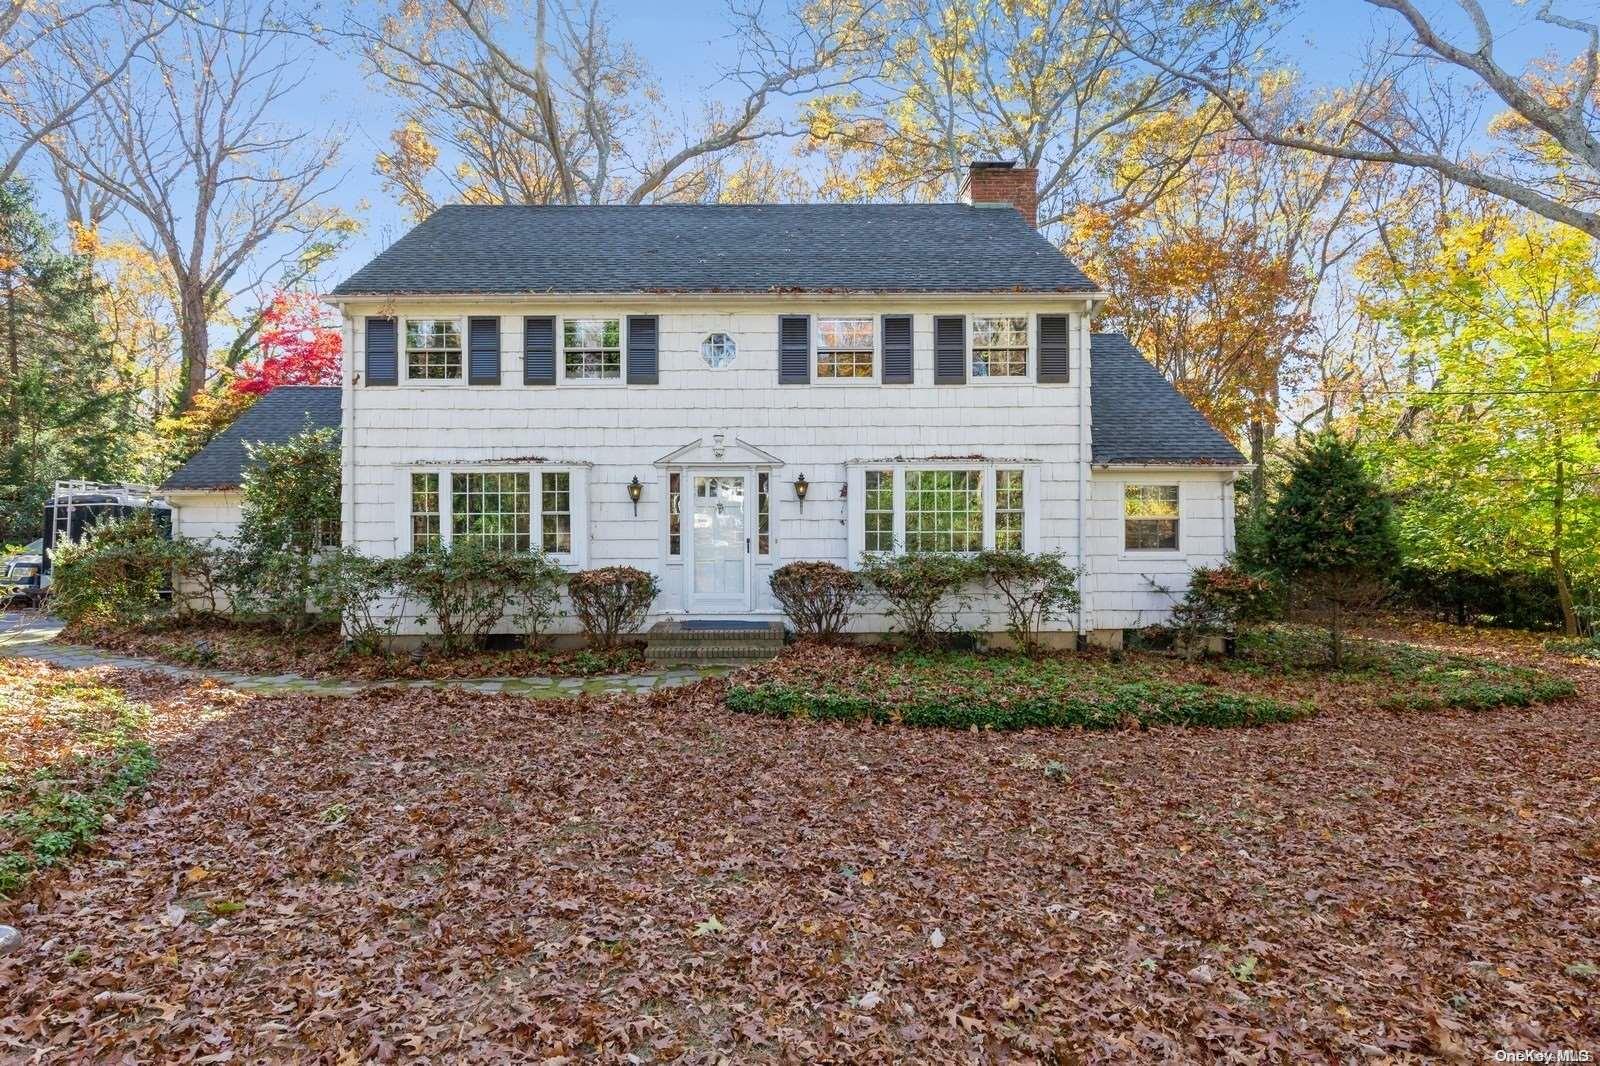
[{"x": 997, "y": 181}]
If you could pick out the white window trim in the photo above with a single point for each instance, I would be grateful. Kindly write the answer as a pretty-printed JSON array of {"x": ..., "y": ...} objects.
[
  {"x": 1181, "y": 550},
  {"x": 700, "y": 352},
  {"x": 1030, "y": 361},
  {"x": 576, "y": 559},
  {"x": 877, "y": 353},
  {"x": 598, "y": 383},
  {"x": 665, "y": 531},
  {"x": 405, "y": 352},
  {"x": 856, "y": 480},
  {"x": 685, "y": 528}
]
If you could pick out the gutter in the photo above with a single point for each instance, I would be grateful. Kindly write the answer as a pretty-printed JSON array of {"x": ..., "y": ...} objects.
[
  {"x": 712, "y": 296},
  {"x": 1192, "y": 467}
]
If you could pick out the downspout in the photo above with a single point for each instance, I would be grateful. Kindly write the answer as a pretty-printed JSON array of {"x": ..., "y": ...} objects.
[
  {"x": 1085, "y": 455},
  {"x": 347, "y": 436}
]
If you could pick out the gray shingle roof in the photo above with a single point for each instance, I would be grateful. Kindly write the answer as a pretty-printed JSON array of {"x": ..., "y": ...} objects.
[
  {"x": 1140, "y": 418},
  {"x": 273, "y": 419},
  {"x": 731, "y": 248}
]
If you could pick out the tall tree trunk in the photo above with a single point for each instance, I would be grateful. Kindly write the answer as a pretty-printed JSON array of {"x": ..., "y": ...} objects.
[
  {"x": 1258, "y": 475},
  {"x": 195, "y": 331},
  {"x": 8, "y": 431},
  {"x": 1558, "y": 566},
  {"x": 1336, "y": 635}
]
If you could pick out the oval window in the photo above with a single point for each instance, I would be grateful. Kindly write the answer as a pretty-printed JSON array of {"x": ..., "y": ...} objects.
[{"x": 718, "y": 350}]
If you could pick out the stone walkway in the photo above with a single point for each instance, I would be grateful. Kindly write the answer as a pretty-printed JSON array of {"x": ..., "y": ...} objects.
[{"x": 25, "y": 635}]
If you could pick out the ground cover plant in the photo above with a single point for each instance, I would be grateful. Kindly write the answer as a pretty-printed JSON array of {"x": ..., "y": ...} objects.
[
  {"x": 1395, "y": 674},
  {"x": 74, "y": 750},
  {"x": 459, "y": 877},
  {"x": 225, "y": 645},
  {"x": 999, "y": 691}
]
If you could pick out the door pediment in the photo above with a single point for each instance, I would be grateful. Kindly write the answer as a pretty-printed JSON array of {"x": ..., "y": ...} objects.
[{"x": 719, "y": 450}]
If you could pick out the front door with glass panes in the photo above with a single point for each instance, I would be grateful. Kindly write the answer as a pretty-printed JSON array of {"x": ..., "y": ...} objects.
[{"x": 719, "y": 543}]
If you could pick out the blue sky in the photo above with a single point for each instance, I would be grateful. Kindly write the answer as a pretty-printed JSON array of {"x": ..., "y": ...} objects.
[{"x": 686, "y": 42}]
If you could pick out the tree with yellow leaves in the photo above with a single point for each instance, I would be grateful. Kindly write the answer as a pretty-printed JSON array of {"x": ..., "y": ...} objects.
[{"x": 1494, "y": 452}]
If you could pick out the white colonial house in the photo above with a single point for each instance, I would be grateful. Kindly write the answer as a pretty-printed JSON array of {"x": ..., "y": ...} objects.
[{"x": 707, "y": 392}]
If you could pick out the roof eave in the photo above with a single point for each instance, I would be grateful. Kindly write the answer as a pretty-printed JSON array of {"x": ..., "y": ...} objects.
[
  {"x": 1171, "y": 464},
  {"x": 715, "y": 296}
]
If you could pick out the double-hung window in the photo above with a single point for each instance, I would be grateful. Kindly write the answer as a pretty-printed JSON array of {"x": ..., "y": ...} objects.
[
  {"x": 591, "y": 349},
  {"x": 846, "y": 349},
  {"x": 433, "y": 349},
  {"x": 1150, "y": 518},
  {"x": 1000, "y": 346},
  {"x": 943, "y": 507},
  {"x": 425, "y": 528},
  {"x": 503, "y": 510}
]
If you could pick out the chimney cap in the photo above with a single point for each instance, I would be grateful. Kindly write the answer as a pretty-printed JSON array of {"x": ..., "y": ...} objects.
[{"x": 992, "y": 164}]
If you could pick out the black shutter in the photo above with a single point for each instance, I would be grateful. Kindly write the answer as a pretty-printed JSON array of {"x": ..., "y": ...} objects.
[
  {"x": 897, "y": 358},
  {"x": 644, "y": 365},
  {"x": 483, "y": 351},
  {"x": 949, "y": 350},
  {"x": 1055, "y": 360},
  {"x": 794, "y": 349},
  {"x": 383, "y": 352},
  {"x": 539, "y": 350}
]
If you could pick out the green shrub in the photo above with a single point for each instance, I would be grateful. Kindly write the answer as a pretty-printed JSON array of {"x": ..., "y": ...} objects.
[
  {"x": 1037, "y": 589},
  {"x": 534, "y": 584},
  {"x": 291, "y": 494},
  {"x": 119, "y": 572},
  {"x": 923, "y": 593},
  {"x": 816, "y": 596},
  {"x": 1223, "y": 600},
  {"x": 1331, "y": 533},
  {"x": 464, "y": 589},
  {"x": 275, "y": 586},
  {"x": 363, "y": 593},
  {"x": 289, "y": 515},
  {"x": 612, "y": 602}
]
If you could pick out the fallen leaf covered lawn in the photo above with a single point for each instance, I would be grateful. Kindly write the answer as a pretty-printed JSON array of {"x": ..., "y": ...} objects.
[
  {"x": 468, "y": 877},
  {"x": 260, "y": 649}
]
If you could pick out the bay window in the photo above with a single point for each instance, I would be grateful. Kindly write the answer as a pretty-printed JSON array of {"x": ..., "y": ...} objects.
[
  {"x": 425, "y": 511},
  {"x": 943, "y": 511},
  {"x": 491, "y": 510},
  {"x": 1150, "y": 518},
  {"x": 942, "y": 507},
  {"x": 499, "y": 509}
]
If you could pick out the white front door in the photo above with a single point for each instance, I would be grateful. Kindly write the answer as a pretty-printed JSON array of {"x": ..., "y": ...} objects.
[{"x": 719, "y": 543}]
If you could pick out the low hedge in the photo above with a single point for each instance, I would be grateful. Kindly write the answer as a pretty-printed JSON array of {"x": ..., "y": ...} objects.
[{"x": 1002, "y": 692}]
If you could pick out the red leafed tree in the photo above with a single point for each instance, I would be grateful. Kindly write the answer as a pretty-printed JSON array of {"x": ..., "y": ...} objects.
[{"x": 298, "y": 346}]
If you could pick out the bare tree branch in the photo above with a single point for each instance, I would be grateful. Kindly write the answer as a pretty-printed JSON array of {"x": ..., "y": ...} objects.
[
  {"x": 1398, "y": 81},
  {"x": 183, "y": 144}
]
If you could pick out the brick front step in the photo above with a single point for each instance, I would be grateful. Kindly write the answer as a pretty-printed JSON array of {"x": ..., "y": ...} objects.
[
  {"x": 708, "y": 651},
  {"x": 733, "y": 639}
]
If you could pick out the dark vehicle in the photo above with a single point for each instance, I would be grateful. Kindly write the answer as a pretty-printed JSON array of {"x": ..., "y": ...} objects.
[
  {"x": 78, "y": 506},
  {"x": 21, "y": 576}
]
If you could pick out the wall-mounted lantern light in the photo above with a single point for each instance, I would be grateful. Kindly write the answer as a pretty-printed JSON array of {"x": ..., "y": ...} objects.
[
  {"x": 635, "y": 490},
  {"x": 801, "y": 487}
]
